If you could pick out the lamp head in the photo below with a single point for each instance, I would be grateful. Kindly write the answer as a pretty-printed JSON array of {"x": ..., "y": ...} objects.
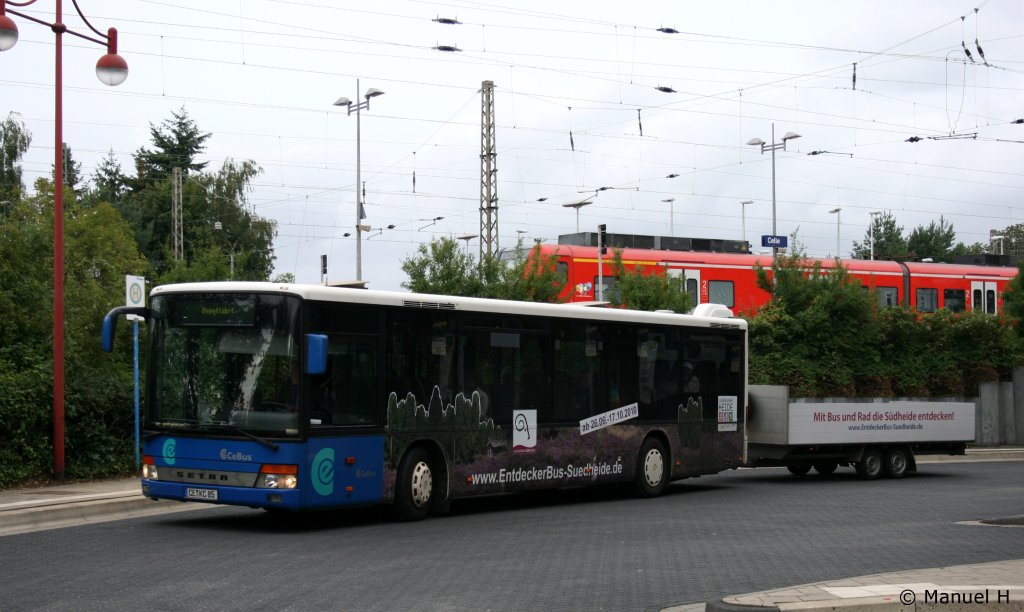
[
  {"x": 8, "y": 30},
  {"x": 343, "y": 101},
  {"x": 790, "y": 136},
  {"x": 373, "y": 93},
  {"x": 755, "y": 142},
  {"x": 111, "y": 69}
]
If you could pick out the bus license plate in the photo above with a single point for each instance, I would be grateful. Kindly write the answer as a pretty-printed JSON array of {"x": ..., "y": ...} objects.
[{"x": 203, "y": 494}]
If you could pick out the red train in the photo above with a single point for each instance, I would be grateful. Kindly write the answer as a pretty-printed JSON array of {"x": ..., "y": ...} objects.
[{"x": 729, "y": 278}]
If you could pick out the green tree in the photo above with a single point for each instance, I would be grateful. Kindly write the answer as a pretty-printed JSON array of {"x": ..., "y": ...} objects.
[
  {"x": 14, "y": 141},
  {"x": 221, "y": 232},
  {"x": 98, "y": 251},
  {"x": 935, "y": 241},
  {"x": 655, "y": 291},
  {"x": 109, "y": 183},
  {"x": 1013, "y": 299},
  {"x": 528, "y": 276},
  {"x": 818, "y": 332},
  {"x": 443, "y": 268},
  {"x": 888, "y": 239},
  {"x": 177, "y": 142},
  {"x": 72, "y": 169},
  {"x": 1012, "y": 242}
]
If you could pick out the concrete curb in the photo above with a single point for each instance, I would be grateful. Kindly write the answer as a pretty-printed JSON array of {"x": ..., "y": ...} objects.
[
  {"x": 723, "y": 606},
  {"x": 103, "y": 509}
]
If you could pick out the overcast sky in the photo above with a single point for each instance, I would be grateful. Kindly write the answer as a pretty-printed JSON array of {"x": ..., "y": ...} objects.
[{"x": 577, "y": 108}]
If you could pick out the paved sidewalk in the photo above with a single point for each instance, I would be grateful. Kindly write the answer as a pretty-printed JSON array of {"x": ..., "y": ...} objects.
[
  {"x": 983, "y": 586},
  {"x": 64, "y": 505}
]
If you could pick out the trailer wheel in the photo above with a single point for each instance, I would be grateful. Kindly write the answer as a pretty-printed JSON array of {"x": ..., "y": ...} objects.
[
  {"x": 415, "y": 486},
  {"x": 896, "y": 463},
  {"x": 825, "y": 468},
  {"x": 798, "y": 469},
  {"x": 870, "y": 465},
  {"x": 651, "y": 469}
]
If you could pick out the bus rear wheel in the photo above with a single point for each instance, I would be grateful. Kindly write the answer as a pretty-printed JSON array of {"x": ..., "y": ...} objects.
[
  {"x": 798, "y": 469},
  {"x": 651, "y": 469},
  {"x": 415, "y": 486}
]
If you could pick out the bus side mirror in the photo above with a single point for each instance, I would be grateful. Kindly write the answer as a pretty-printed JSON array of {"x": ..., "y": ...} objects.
[
  {"x": 110, "y": 323},
  {"x": 316, "y": 354}
]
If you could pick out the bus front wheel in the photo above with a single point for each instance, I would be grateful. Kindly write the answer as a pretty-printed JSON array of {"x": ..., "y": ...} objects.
[
  {"x": 415, "y": 486},
  {"x": 651, "y": 469}
]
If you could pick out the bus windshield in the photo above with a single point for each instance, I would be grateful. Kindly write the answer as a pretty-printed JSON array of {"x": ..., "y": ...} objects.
[{"x": 224, "y": 362}]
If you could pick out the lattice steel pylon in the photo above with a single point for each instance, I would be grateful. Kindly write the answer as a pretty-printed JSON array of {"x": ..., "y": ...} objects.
[
  {"x": 488, "y": 174},
  {"x": 177, "y": 234}
]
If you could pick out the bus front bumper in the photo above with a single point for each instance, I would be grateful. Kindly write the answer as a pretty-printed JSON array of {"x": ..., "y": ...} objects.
[{"x": 289, "y": 499}]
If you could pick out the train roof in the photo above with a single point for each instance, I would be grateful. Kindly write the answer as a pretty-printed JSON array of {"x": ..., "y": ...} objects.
[{"x": 745, "y": 260}]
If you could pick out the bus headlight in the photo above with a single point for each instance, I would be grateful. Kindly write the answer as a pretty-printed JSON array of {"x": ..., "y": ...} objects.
[
  {"x": 278, "y": 477},
  {"x": 279, "y": 481},
  {"x": 149, "y": 470}
]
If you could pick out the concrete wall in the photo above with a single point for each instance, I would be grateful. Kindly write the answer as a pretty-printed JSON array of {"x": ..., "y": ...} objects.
[{"x": 1001, "y": 412}]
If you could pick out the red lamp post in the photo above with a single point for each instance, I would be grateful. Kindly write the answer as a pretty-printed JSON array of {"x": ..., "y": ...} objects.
[{"x": 111, "y": 70}]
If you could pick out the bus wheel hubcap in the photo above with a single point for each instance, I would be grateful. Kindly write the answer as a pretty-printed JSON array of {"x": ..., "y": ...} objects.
[
  {"x": 422, "y": 484},
  {"x": 653, "y": 467}
]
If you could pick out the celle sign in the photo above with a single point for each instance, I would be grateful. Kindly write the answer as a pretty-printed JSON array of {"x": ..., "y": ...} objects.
[{"x": 774, "y": 241}]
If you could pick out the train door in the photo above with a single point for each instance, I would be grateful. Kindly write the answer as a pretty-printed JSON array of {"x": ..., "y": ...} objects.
[
  {"x": 698, "y": 294},
  {"x": 984, "y": 297}
]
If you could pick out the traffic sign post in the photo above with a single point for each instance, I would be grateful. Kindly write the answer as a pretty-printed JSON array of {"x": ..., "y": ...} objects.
[{"x": 135, "y": 296}]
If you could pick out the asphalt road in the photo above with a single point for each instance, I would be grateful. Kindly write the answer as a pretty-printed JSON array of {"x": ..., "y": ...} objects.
[{"x": 578, "y": 550}]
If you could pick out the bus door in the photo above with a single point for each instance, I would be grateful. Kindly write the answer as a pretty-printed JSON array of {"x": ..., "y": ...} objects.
[{"x": 983, "y": 296}]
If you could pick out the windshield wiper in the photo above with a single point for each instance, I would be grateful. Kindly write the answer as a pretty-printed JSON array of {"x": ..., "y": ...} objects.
[{"x": 253, "y": 436}]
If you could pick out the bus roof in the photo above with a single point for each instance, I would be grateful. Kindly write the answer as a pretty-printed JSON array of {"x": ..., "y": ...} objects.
[{"x": 448, "y": 302}]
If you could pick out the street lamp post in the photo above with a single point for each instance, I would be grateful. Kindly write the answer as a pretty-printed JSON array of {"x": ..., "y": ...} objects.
[
  {"x": 111, "y": 69},
  {"x": 577, "y": 206},
  {"x": 671, "y": 216},
  {"x": 743, "y": 220},
  {"x": 871, "y": 231},
  {"x": 836, "y": 211},
  {"x": 343, "y": 101},
  {"x": 773, "y": 147}
]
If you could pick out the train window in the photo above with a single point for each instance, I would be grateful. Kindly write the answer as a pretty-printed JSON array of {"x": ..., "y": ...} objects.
[
  {"x": 721, "y": 292},
  {"x": 977, "y": 300},
  {"x": 990, "y": 301},
  {"x": 562, "y": 268},
  {"x": 887, "y": 296},
  {"x": 954, "y": 300},
  {"x": 927, "y": 300}
]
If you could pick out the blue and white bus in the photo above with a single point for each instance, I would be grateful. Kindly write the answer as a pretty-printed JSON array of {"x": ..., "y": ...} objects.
[{"x": 287, "y": 396}]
